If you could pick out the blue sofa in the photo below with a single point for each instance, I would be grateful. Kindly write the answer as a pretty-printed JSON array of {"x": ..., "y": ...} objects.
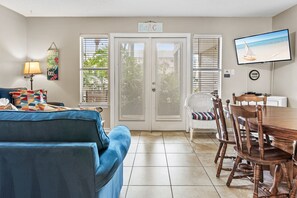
[{"x": 63, "y": 154}]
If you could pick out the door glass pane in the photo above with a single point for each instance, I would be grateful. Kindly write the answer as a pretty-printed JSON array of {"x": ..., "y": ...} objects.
[
  {"x": 168, "y": 80},
  {"x": 131, "y": 82}
]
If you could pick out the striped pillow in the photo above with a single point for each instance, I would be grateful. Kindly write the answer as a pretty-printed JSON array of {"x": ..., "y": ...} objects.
[{"x": 203, "y": 116}]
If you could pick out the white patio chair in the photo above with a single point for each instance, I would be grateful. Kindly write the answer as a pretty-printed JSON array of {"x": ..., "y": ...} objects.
[{"x": 199, "y": 113}]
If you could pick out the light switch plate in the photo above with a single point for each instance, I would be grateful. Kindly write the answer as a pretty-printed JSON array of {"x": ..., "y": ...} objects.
[{"x": 227, "y": 73}]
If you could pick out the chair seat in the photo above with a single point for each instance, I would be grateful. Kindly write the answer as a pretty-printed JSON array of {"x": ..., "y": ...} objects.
[
  {"x": 272, "y": 155},
  {"x": 203, "y": 116}
]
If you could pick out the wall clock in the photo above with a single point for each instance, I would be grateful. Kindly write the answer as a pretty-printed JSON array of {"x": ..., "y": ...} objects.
[{"x": 254, "y": 75}]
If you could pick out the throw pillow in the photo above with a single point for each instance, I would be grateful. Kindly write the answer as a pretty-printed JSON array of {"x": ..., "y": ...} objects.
[
  {"x": 28, "y": 99},
  {"x": 5, "y": 92},
  {"x": 203, "y": 116}
]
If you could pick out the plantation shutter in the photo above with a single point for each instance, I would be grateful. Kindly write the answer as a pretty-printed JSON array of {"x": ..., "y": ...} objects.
[
  {"x": 206, "y": 65},
  {"x": 94, "y": 69}
]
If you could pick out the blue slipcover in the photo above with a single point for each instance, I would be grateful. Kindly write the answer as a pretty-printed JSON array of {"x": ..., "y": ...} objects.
[{"x": 60, "y": 154}]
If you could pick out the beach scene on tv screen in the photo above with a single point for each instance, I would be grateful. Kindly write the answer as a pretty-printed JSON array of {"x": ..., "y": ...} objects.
[{"x": 272, "y": 46}]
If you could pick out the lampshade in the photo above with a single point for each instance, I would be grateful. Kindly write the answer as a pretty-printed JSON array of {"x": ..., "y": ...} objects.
[{"x": 32, "y": 67}]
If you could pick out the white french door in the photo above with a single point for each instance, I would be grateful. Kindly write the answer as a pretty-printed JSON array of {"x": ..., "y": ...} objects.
[{"x": 149, "y": 82}]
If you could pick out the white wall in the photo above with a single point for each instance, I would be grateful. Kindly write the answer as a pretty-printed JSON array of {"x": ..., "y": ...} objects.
[
  {"x": 13, "y": 48},
  {"x": 285, "y": 73}
]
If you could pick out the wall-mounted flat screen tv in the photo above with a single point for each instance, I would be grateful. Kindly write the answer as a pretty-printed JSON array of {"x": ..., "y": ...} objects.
[{"x": 261, "y": 48}]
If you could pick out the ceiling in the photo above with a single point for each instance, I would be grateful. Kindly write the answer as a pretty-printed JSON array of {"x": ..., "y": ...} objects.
[{"x": 151, "y": 8}]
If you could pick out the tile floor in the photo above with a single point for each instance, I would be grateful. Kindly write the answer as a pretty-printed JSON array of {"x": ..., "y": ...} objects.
[{"x": 168, "y": 165}]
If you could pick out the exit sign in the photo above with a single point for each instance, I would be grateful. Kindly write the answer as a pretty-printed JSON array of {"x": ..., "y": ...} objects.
[{"x": 150, "y": 27}]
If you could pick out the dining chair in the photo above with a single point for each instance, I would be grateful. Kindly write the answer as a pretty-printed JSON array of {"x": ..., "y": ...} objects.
[
  {"x": 257, "y": 152},
  {"x": 294, "y": 189},
  {"x": 224, "y": 137},
  {"x": 249, "y": 99}
]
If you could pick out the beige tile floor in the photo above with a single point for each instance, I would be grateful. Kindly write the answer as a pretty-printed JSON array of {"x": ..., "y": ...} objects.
[{"x": 168, "y": 165}]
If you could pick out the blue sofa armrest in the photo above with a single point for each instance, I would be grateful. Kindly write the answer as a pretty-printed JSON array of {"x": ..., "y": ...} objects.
[{"x": 113, "y": 156}]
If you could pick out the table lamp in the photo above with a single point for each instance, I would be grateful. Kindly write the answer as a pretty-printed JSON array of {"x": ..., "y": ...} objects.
[{"x": 30, "y": 69}]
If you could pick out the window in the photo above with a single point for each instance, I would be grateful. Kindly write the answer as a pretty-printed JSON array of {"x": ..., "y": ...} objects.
[
  {"x": 207, "y": 64},
  {"x": 94, "y": 67}
]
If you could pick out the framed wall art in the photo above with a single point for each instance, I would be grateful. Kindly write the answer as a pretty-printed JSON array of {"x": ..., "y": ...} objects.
[{"x": 53, "y": 62}]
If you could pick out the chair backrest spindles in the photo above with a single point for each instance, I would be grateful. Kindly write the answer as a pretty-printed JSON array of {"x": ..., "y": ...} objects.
[{"x": 249, "y": 98}]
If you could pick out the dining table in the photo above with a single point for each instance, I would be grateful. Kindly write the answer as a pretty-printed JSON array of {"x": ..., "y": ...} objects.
[{"x": 281, "y": 124}]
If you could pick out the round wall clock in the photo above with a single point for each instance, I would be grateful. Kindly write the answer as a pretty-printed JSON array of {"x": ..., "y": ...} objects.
[{"x": 254, "y": 75}]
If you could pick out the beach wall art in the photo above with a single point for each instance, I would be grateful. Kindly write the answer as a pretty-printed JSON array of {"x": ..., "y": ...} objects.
[
  {"x": 261, "y": 48},
  {"x": 53, "y": 62}
]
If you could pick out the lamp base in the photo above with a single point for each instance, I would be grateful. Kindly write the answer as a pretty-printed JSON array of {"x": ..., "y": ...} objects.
[{"x": 31, "y": 80}]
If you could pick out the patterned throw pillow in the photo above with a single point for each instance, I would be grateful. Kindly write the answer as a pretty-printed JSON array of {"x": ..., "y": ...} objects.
[{"x": 28, "y": 100}]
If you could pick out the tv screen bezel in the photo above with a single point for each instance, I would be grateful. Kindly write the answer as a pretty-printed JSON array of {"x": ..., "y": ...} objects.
[{"x": 288, "y": 32}]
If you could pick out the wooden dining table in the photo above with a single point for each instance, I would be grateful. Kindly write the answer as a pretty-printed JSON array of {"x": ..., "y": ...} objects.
[{"x": 281, "y": 124}]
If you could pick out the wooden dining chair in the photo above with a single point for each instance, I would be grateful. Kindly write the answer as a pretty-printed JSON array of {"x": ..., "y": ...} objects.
[
  {"x": 257, "y": 153},
  {"x": 226, "y": 138},
  {"x": 223, "y": 136},
  {"x": 249, "y": 99},
  {"x": 294, "y": 189}
]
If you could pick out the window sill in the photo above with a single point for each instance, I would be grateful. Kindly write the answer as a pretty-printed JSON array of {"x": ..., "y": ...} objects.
[{"x": 102, "y": 105}]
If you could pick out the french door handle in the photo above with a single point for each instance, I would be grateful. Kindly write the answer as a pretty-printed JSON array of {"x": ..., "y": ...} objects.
[{"x": 153, "y": 89}]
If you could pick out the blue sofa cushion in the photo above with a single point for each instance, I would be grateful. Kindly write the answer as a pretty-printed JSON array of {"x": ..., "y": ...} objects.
[{"x": 58, "y": 126}]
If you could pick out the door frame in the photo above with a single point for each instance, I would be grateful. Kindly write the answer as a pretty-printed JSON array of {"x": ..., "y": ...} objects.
[{"x": 187, "y": 74}]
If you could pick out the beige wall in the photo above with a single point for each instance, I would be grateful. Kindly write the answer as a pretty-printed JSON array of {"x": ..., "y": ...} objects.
[
  {"x": 13, "y": 48},
  {"x": 285, "y": 73}
]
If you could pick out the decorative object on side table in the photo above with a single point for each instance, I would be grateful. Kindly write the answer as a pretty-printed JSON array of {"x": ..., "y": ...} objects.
[
  {"x": 31, "y": 68},
  {"x": 53, "y": 62}
]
